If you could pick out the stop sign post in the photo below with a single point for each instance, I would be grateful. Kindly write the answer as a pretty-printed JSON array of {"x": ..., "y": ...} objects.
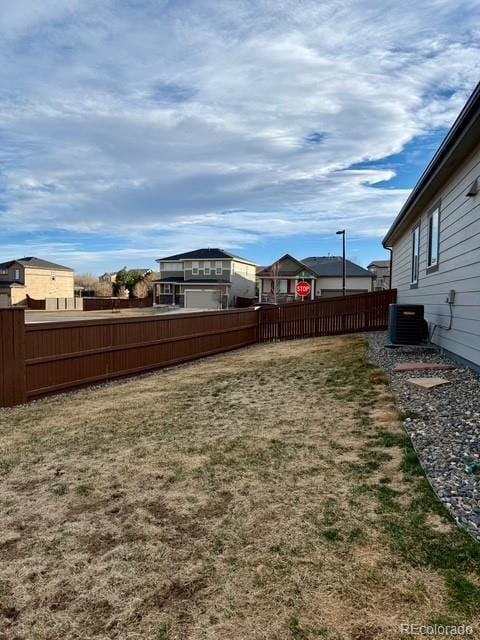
[{"x": 303, "y": 289}]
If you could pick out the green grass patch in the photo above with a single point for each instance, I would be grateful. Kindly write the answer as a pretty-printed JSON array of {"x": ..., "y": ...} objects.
[
  {"x": 84, "y": 489},
  {"x": 464, "y": 595}
]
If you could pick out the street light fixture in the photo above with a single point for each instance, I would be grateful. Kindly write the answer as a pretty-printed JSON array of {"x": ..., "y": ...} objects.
[{"x": 344, "y": 264}]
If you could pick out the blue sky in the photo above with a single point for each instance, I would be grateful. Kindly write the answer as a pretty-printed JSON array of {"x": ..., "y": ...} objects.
[{"x": 131, "y": 129}]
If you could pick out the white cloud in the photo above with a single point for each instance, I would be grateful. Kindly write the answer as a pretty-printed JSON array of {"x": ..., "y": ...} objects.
[{"x": 145, "y": 116}]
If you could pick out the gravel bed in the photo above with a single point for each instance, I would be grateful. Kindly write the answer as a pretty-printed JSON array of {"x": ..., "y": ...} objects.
[{"x": 444, "y": 425}]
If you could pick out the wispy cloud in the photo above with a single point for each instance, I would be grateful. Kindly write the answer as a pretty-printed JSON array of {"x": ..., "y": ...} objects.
[{"x": 144, "y": 120}]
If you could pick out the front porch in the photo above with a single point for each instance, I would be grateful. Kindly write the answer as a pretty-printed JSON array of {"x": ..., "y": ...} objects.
[{"x": 282, "y": 290}]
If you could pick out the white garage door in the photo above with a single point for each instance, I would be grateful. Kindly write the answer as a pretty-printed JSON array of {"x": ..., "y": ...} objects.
[
  {"x": 201, "y": 299},
  {"x": 4, "y": 300}
]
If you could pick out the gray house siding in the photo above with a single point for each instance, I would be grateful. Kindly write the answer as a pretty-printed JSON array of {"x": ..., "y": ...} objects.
[{"x": 458, "y": 265}]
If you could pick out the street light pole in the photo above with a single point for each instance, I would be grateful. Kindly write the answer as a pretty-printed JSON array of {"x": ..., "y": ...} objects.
[{"x": 344, "y": 264}]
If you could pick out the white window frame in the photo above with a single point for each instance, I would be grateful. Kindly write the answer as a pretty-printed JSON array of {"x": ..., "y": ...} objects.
[
  {"x": 207, "y": 268},
  {"x": 433, "y": 239},
  {"x": 415, "y": 264},
  {"x": 195, "y": 268},
  {"x": 218, "y": 268},
  {"x": 167, "y": 288},
  {"x": 17, "y": 274}
]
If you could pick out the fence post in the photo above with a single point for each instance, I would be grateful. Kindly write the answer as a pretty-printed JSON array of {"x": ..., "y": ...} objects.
[{"x": 12, "y": 357}]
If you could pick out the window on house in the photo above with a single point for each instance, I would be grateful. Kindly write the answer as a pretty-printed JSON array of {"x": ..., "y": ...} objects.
[
  {"x": 283, "y": 286},
  {"x": 433, "y": 238},
  {"x": 415, "y": 254},
  {"x": 53, "y": 275},
  {"x": 3, "y": 272},
  {"x": 195, "y": 268},
  {"x": 171, "y": 266},
  {"x": 207, "y": 268},
  {"x": 166, "y": 288},
  {"x": 218, "y": 268},
  {"x": 17, "y": 274}
]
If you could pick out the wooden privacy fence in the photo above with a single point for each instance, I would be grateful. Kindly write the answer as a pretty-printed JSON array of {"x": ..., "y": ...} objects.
[
  {"x": 41, "y": 358},
  {"x": 332, "y": 316},
  {"x": 99, "y": 304},
  {"x": 65, "y": 355}
]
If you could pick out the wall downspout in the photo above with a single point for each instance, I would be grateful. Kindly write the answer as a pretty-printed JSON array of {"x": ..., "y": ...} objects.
[{"x": 391, "y": 265}]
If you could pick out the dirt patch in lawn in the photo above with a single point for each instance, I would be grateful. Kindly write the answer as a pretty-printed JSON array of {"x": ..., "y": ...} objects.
[{"x": 269, "y": 493}]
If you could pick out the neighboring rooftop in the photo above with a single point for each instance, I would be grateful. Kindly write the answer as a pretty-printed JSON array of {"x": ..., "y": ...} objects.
[
  {"x": 35, "y": 263},
  {"x": 379, "y": 263},
  {"x": 267, "y": 271},
  {"x": 331, "y": 267},
  {"x": 205, "y": 254}
]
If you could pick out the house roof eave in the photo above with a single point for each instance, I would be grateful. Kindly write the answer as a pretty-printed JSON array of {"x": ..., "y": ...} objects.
[{"x": 457, "y": 144}]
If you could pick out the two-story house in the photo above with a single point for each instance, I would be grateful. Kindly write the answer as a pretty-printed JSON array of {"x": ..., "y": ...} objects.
[
  {"x": 109, "y": 277},
  {"x": 204, "y": 279},
  {"x": 34, "y": 277},
  {"x": 381, "y": 272}
]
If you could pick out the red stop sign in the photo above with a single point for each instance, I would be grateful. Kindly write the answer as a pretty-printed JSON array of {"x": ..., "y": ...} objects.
[{"x": 303, "y": 289}]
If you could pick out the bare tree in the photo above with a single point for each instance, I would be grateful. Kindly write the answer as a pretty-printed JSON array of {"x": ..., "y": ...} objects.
[
  {"x": 87, "y": 280},
  {"x": 140, "y": 290},
  {"x": 149, "y": 279},
  {"x": 275, "y": 271},
  {"x": 103, "y": 289}
]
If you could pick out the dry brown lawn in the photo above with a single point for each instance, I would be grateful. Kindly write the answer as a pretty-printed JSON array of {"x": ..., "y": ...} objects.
[{"x": 269, "y": 493}]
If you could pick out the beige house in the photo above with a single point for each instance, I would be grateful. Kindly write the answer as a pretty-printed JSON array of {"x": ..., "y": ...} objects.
[
  {"x": 277, "y": 282},
  {"x": 329, "y": 282},
  {"x": 34, "y": 277},
  {"x": 109, "y": 277},
  {"x": 381, "y": 272},
  {"x": 204, "y": 279}
]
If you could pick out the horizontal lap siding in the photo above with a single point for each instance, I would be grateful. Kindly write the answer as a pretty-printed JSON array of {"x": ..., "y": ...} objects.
[
  {"x": 67, "y": 355},
  {"x": 459, "y": 265}
]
